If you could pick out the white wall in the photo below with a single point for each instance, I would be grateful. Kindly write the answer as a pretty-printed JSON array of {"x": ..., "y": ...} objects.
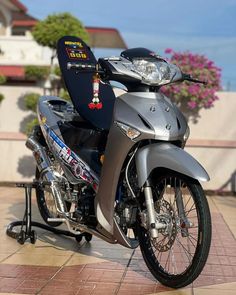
[
  {"x": 212, "y": 141},
  {"x": 23, "y": 50}
]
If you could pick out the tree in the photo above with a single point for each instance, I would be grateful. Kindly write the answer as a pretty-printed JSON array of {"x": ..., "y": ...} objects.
[
  {"x": 190, "y": 97},
  {"x": 47, "y": 33},
  {"x": 50, "y": 30}
]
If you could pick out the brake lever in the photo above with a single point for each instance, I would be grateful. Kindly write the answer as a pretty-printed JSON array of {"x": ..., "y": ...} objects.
[
  {"x": 187, "y": 77},
  {"x": 197, "y": 81}
]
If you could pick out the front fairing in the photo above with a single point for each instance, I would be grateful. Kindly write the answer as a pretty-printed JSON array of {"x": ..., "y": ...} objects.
[{"x": 153, "y": 114}]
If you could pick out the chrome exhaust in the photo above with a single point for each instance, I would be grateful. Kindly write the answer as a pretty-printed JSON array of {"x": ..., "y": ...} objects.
[{"x": 47, "y": 172}]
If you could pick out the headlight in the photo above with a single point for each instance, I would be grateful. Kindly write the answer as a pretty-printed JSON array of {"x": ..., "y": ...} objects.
[
  {"x": 154, "y": 72},
  {"x": 131, "y": 132}
]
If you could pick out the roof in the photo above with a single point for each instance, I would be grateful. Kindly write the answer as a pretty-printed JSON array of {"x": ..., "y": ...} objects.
[
  {"x": 19, "y": 5},
  {"x": 105, "y": 38},
  {"x": 17, "y": 72},
  {"x": 21, "y": 19}
]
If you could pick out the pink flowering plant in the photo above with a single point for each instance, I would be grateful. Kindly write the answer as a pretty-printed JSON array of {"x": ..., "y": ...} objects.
[{"x": 191, "y": 97}]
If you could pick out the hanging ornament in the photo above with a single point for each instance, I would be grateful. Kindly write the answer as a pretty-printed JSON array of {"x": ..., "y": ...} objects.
[{"x": 95, "y": 104}]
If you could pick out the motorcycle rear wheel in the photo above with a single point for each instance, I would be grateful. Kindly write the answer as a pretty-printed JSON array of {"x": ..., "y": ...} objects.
[{"x": 177, "y": 256}]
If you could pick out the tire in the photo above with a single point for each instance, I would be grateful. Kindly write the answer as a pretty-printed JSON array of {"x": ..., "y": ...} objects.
[
  {"x": 88, "y": 237},
  {"x": 79, "y": 238},
  {"x": 42, "y": 204},
  {"x": 178, "y": 255}
]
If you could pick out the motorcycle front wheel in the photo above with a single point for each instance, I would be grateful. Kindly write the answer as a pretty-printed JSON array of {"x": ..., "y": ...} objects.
[{"x": 178, "y": 255}]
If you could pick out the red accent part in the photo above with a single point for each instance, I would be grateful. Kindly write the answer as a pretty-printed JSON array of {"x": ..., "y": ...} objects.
[
  {"x": 24, "y": 23},
  {"x": 92, "y": 105},
  {"x": 99, "y": 106},
  {"x": 12, "y": 71}
]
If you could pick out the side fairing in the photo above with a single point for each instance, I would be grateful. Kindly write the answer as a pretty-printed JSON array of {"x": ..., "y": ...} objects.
[
  {"x": 156, "y": 118},
  {"x": 74, "y": 167},
  {"x": 117, "y": 148}
]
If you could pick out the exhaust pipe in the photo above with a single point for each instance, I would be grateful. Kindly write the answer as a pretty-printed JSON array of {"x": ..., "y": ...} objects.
[{"x": 47, "y": 171}]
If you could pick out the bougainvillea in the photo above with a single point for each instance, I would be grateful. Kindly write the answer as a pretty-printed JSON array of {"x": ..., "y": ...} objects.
[{"x": 191, "y": 97}]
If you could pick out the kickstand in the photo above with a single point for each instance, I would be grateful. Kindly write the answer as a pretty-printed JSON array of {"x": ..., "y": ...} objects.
[{"x": 26, "y": 224}]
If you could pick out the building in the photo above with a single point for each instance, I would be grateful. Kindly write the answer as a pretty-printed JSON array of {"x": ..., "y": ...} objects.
[{"x": 18, "y": 48}]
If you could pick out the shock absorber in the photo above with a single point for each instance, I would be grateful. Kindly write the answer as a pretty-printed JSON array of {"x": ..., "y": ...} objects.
[{"x": 153, "y": 224}]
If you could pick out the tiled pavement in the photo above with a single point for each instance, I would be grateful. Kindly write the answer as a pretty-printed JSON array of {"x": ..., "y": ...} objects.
[{"x": 60, "y": 265}]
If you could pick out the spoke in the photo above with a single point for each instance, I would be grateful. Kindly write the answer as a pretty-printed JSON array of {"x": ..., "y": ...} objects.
[
  {"x": 167, "y": 259},
  {"x": 186, "y": 251},
  {"x": 190, "y": 197},
  {"x": 160, "y": 252},
  {"x": 191, "y": 241},
  {"x": 193, "y": 237},
  {"x": 190, "y": 210},
  {"x": 174, "y": 262}
]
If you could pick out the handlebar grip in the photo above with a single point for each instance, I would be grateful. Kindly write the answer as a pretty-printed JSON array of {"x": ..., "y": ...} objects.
[{"x": 81, "y": 66}]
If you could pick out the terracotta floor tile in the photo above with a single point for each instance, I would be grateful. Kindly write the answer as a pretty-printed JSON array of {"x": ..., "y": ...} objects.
[
  {"x": 108, "y": 265},
  {"x": 136, "y": 289},
  {"x": 101, "y": 268},
  {"x": 100, "y": 275},
  {"x": 9, "y": 284},
  {"x": 98, "y": 289},
  {"x": 53, "y": 291},
  {"x": 69, "y": 272},
  {"x": 25, "y": 291},
  {"x": 27, "y": 272},
  {"x": 134, "y": 277},
  {"x": 84, "y": 259},
  {"x": 186, "y": 291}
]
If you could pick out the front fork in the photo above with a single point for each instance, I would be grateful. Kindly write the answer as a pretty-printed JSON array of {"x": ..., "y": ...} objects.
[{"x": 153, "y": 224}]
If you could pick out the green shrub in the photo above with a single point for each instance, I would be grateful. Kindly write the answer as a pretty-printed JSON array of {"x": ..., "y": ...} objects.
[
  {"x": 57, "y": 71},
  {"x": 31, "y": 100},
  {"x": 2, "y": 79},
  {"x": 29, "y": 126},
  {"x": 1, "y": 97},
  {"x": 36, "y": 72}
]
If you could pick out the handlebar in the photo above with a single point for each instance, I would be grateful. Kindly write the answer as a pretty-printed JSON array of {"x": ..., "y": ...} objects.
[
  {"x": 86, "y": 68},
  {"x": 187, "y": 77}
]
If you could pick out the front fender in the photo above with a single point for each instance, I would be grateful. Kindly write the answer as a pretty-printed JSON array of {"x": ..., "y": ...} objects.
[{"x": 166, "y": 155}]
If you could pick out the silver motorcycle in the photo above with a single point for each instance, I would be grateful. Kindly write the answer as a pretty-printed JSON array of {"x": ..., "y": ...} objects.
[{"x": 115, "y": 167}]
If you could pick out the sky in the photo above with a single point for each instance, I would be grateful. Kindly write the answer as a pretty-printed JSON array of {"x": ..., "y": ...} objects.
[{"x": 204, "y": 26}]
